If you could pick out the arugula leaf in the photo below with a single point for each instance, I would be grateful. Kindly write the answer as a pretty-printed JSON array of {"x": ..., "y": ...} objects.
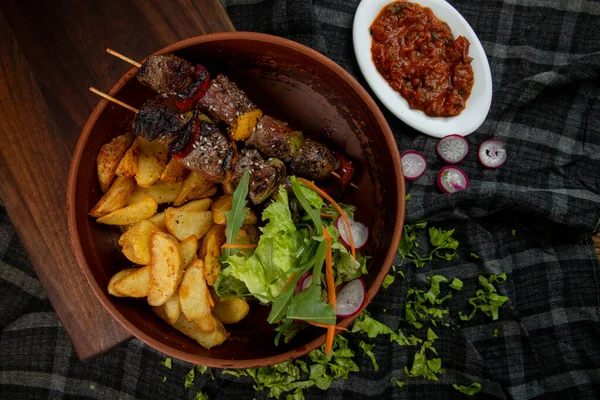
[
  {"x": 307, "y": 305},
  {"x": 315, "y": 214},
  {"x": 368, "y": 351},
  {"x": 470, "y": 390},
  {"x": 387, "y": 281},
  {"x": 235, "y": 217},
  {"x": 189, "y": 378}
]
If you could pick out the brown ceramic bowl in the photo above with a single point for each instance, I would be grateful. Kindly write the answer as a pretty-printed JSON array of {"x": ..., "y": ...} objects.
[{"x": 290, "y": 82}]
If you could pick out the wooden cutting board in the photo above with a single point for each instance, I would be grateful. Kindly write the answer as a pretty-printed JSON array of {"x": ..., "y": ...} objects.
[{"x": 50, "y": 53}]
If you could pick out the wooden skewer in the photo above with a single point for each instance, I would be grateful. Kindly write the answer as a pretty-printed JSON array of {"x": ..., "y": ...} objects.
[
  {"x": 119, "y": 102},
  {"x": 137, "y": 64},
  {"x": 123, "y": 57}
]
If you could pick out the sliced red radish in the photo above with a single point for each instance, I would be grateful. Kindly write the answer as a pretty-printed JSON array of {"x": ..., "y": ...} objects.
[
  {"x": 302, "y": 282},
  {"x": 451, "y": 179},
  {"x": 492, "y": 153},
  {"x": 453, "y": 148},
  {"x": 413, "y": 164},
  {"x": 350, "y": 298},
  {"x": 360, "y": 232}
]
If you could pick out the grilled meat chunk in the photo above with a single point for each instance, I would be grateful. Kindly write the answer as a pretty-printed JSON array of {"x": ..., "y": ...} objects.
[
  {"x": 182, "y": 144},
  {"x": 159, "y": 123},
  {"x": 224, "y": 101},
  {"x": 276, "y": 139},
  {"x": 166, "y": 74},
  {"x": 212, "y": 153},
  {"x": 265, "y": 174},
  {"x": 313, "y": 161},
  {"x": 190, "y": 95}
]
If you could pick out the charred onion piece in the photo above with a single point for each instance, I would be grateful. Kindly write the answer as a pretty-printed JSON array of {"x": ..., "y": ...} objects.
[
  {"x": 265, "y": 174},
  {"x": 276, "y": 139},
  {"x": 191, "y": 94},
  {"x": 211, "y": 154},
  {"x": 157, "y": 123},
  {"x": 166, "y": 74}
]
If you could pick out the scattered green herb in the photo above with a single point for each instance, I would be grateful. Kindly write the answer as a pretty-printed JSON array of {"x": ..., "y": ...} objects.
[
  {"x": 423, "y": 367},
  {"x": 514, "y": 232},
  {"x": 164, "y": 379},
  {"x": 496, "y": 332},
  {"x": 443, "y": 244},
  {"x": 407, "y": 197},
  {"x": 398, "y": 382},
  {"x": 387, "y": 281},
  {"x": 368, "y": 351},
  {"x": 373, "y": 328},
  {"x": 474, "y": 255},
  {"x": 201, "y": 396},
  {"x": 470, "y": 390},
  {"x": 167, "y": 362},
  {"x": 422, "y": 307},
  {"x": 189, "y": 378},
  {"x": 456, "y": 284},
  {"x": 487, "y": 299}
]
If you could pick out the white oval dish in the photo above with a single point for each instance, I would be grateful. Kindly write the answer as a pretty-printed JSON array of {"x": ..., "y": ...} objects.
[{"x": 478, "y": 103}]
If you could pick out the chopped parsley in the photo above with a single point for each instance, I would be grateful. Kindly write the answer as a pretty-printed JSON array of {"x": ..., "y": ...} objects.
[{"x": 470, "y": 390}]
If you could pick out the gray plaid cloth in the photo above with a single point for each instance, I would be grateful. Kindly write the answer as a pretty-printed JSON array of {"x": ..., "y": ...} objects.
[{"x": 532, "y": 218}]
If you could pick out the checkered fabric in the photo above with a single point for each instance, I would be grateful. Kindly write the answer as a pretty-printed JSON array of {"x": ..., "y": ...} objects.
[{"x": 532, "y": 219}]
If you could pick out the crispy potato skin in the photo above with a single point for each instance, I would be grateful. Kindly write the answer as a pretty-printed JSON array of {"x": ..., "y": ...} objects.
[
  {"x": 133, "y": 282},
  {"x": 135, "y": 242},
  {"x": 162, "y": 192},
  {"x": 152, "y": 161},
  {"x": 115, "y": 198},
  {"x": 174, "y": 172},
  {"x": 184, "y": 223},
  {"x": 128, "y": 166},
  {"x": 166, "y": 268},
  {"x": 195, "y": 299},
  {"x": 222, "y": 204},
  {"x": 131, "y": 214},
  {"x": 230, "y": 311},
  {"x": 211, "y": 252},
  {"x": 194, "y": 187},
  {"x": 109, "y": 157}
]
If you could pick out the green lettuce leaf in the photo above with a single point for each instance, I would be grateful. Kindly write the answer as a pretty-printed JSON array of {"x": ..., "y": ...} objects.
[
  {"x": 368, "y": 351},
  {"x": 470, "y": 390}
]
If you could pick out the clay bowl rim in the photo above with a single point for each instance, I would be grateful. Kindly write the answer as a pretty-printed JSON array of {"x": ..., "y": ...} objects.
[{"x": 74, "y": 172}]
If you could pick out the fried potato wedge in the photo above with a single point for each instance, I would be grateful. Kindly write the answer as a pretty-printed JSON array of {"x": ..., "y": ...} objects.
[
  {"x": 162, "y": 192},
  {"x": 134, "y": 284},
  {"x": 152, "y": 161},
  {"x": 117, "y": 277},
  {"x": 172, "y": 308},
  {"x": 131, "y": 214},
  {"x": 211, "y": 252},
  {"x": 196, "y": 205},
  {"x": 166, "y": 268},
  {"x": 109, "y": 157},
  {"x": 189, "y": 248},
  {"x": 135, "y": 242},
  {"x": 244, "y": 125},
  {"x": 128, "y": 166},
  {"x": 115, "y": 198},
  {"x": 183, "y": 224},
  {"x": 194, "y": 187},
  {"x": 160, "y": 220},
  {"x": 228, "y": 187},
  {"x": 194, "y": 297},
  {"x": 252, "y": 234},
  {"x": 222, "y": 204},
  {"x": 230, "y": 311},
  {"x": 174, "y": 172},
  {"x": 208, "y": 340}
]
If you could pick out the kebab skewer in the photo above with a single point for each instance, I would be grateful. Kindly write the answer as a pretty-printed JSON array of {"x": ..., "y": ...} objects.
[{"x": 223, "y": 101}]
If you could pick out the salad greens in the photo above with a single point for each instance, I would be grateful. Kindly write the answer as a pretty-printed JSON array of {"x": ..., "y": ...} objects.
[
  {"x": 237, "y": 214},
  {"x": 443, "y": 244},
  {"x": 470, "y": 390},
  {"x": 487, "y": 299},
  {"x": 289, "y": 246}
]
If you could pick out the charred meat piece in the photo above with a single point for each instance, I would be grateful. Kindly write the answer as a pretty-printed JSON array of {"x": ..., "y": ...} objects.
[
  {"x": 190, "y": 95},
  {"x": 159, "y": 123},
  {"x": 184, "y": 141},
  {"x": 212, "y": 153},
  {"x": 313, "y": 161},
  {"x": 166, "y": 74},
  {"x": 276, "y": 139},
  {"x": 265, "y": 174},
  {"x": 224, "y": 101}
]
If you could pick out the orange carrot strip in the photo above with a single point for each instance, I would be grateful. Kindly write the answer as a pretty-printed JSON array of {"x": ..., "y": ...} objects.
[
  {"x": 337, "y": 207},
  {"x": 325, "y": 215},
  {"x": 320, "y": 325},
  {"x": 239, "y": 246},
  {"x": 330, "y": 290}
]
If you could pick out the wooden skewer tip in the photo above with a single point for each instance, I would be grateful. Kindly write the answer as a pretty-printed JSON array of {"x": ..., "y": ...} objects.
[
  {"x": 116, "y": 101},
  {"x": 123, "y": 57}
]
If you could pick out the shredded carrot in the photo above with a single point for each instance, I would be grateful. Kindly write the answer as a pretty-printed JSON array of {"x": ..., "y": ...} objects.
[
  {"x": 337, "y": 207},
  {"x": 325, "y": 215},
  {"x": 320, "y": 325},
  {"x": 330, "y": 289},
  {"x": 290, "y": 279},
  {"x": 239, "y": 246}
]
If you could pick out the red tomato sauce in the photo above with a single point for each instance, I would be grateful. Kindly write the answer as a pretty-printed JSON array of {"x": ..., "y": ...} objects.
[{"x": 418, "y": 56}]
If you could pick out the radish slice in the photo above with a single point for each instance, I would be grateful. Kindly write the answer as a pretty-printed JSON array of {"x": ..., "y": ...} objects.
[
  {"x": 451, "y": 179},
  {"x": 351, "y": 298},
  {"x": 492, "y": 153},
  {"x": 413, "y": 164},
  {"x": 453, "y": 148},
  {"x": 302, "y": 282},
  {"x": 360, "y": 232}
]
